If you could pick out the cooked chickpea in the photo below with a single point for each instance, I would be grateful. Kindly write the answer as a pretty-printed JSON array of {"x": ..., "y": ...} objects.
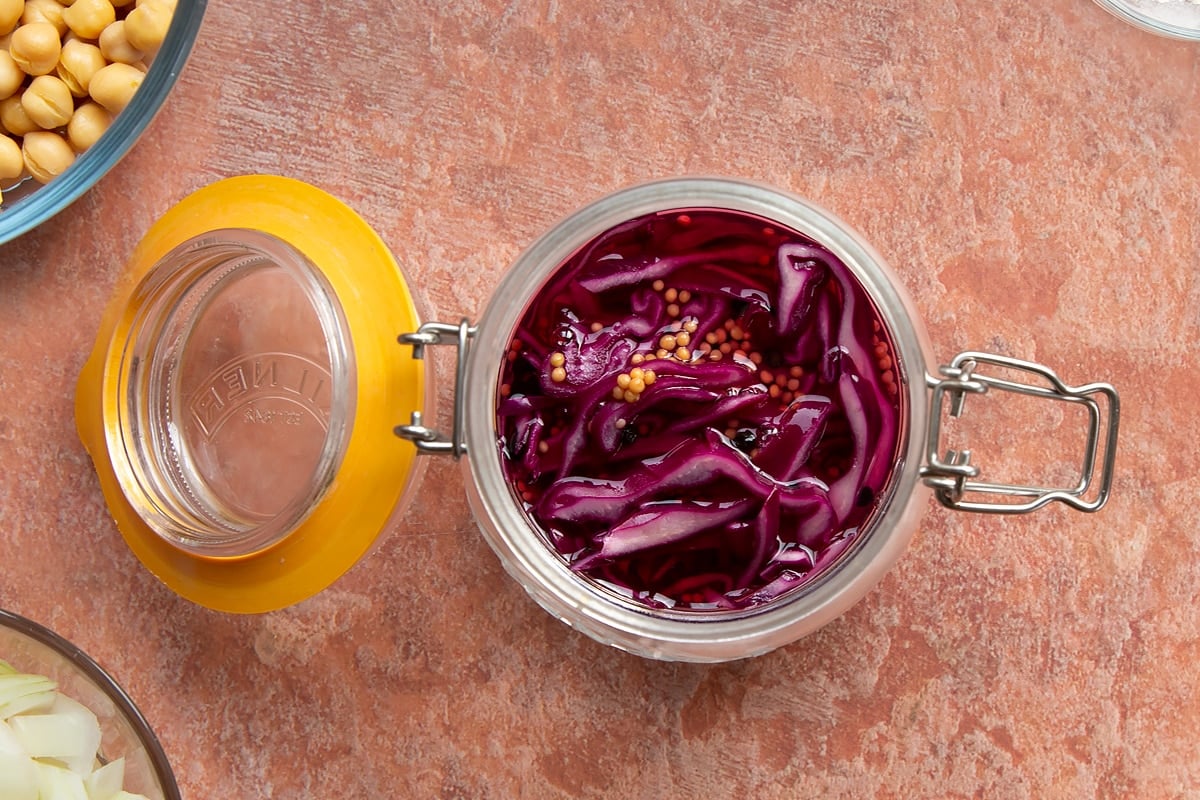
[
  {"x": 13, "y": 117},
  {"x": 10, "y": 14},
  {"x": 87, "y": 125},
  {"x": 36, "y": 48},
  {"x": 114, "y": 86},
  {"x": 12, "y": 164},
  {"x": 47, "y": 155},
  {"x": 115, "y": 46},
  {"x": 78, "y": 63},
  {"x": 48, "y": 102},
  {"x": 146, "y": 26},
  {"x": 11, "y": 76},
  {"x": 87, "y": 18},
  {"x": 50, "y": 11}
]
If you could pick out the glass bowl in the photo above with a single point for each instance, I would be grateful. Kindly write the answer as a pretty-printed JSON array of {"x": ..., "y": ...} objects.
[
  {"x": 1178, "y": 19},
  {"x": 29, "y": 205},
  {"x": 32, "y": 648}
]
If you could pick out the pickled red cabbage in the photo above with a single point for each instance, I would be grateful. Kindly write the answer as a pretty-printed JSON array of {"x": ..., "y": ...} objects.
[{"x": 700, "y": 410}]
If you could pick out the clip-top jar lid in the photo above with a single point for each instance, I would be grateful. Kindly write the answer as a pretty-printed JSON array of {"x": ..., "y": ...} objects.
[{"x": 240, "y": 399}]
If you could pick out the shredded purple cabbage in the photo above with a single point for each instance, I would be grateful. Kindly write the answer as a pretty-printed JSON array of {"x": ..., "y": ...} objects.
[{"x": 700, "y": 410}]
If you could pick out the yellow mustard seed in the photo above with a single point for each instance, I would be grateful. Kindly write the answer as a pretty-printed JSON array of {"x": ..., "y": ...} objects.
[
  {"x": 558, "y": 374},
  {"x": 621, "y": 423},
  {"x": 667, "y": 342},
  {"x": 630, "y": 396},
  {"x": 683, "y": 354},
  {"x": 637, "y": 385},
  {"x": 691, "y": 326},
  {"x": 557, "y": 359},
  {"x": 683, "y": 338},
  {"x": 618, "y": 393},
  {"x": 671, "y": 295},
  {"x": 661, "y": 353},
  {"x": 672, "y": 310},
  {"x": 637, "y": 358},
  {"x": 543, "y": 448},
  {"x": 715, "y": 355},
  {"x": 684, "y": 295},
  {"x": 657, "y": 286},
  {"x": 636, "y": 373},
  {"x": 623, "y": 380},
  {"x": 648, "y": 377}
]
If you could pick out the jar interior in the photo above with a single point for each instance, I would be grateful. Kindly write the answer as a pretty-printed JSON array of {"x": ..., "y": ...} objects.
[
  {"x": 235, "y": 393},
  {"x": 772, "y": 463}
]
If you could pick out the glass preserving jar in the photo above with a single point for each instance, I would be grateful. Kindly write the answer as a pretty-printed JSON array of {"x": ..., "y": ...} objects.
[{"x": 257, "y": 406}]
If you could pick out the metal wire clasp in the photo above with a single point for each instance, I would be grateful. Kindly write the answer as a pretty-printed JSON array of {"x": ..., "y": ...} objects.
[
  {"x": 953, "y": 477},
  {"x": 429, "y": 440}
]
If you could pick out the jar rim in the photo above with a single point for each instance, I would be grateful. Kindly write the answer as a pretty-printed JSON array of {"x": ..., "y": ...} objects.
[{"x": 696, "y": 636}]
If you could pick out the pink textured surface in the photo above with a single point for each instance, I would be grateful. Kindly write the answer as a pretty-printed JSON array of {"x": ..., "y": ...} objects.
[{"x": 1031, "y": 170}]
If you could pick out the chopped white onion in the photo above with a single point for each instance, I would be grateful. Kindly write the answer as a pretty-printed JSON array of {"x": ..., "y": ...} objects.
[{"x": 50, "y": 743}]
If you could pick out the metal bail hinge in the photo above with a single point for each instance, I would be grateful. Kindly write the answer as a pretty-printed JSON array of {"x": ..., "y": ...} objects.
[
  {"x": 953, "y": 477},
  {"x": 429, "y": 440}
]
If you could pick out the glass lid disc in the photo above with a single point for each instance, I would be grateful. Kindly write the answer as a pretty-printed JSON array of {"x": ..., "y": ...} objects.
[{"x": 236, "y": 393}]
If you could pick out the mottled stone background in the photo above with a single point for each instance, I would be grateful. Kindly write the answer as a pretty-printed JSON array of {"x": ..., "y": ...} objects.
[{"x": 1032, "y": 172}]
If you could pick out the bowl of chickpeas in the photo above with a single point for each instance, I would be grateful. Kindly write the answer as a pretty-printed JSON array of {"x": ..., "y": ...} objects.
[{"x": 80, "y": 80}]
